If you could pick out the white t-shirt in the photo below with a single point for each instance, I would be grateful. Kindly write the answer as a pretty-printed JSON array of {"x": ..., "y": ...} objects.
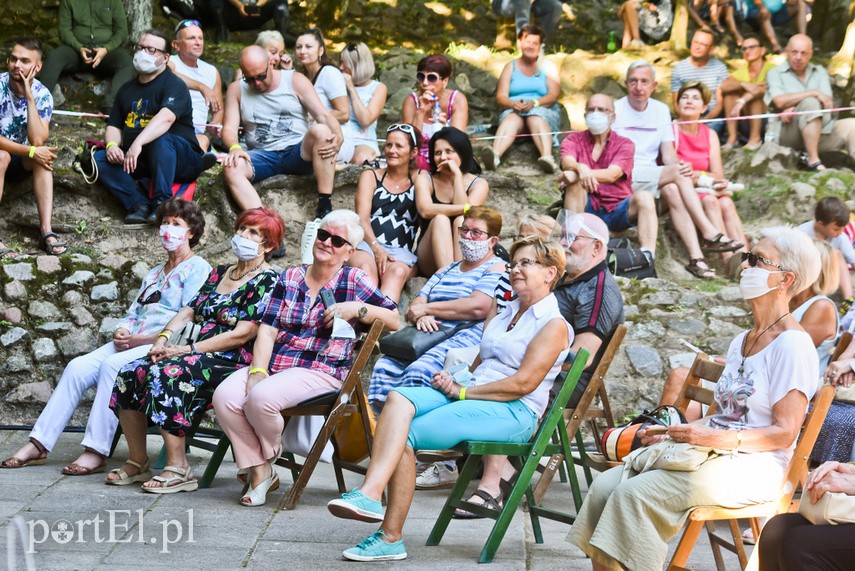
[
  {"x": 745, "y": 400},
  {"x": 205, "y": 74},
  {"x": 330, "y": 84},
  {"x": 648, "y": 129},
  {"x": 502, "y": 351},
  {"x": 272, "y": 121},
  {"x": 840, "y": 243}
]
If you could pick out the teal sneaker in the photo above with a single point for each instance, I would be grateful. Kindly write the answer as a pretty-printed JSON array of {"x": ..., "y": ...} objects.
[
  {"x": 375, "y": 548},
  {"x": 356, "y": 505}
]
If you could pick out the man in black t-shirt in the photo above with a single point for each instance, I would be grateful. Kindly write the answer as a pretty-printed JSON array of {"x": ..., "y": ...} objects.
[{"x": 149, "y": 134}]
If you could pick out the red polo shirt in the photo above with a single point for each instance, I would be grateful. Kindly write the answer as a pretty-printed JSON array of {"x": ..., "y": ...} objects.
[{"x": 618, "y": 151}]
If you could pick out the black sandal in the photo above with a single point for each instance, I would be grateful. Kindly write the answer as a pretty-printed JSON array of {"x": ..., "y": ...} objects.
[
  {"x": 696, "y": 270},
  {"x": 719, "y": 245},
  {"x": 490, "y": 503},
  {"x": 56, "y": 248}
]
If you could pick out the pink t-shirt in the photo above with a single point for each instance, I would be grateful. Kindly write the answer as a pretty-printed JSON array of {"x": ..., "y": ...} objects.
[
  {"x": 695, "y": 149},
  {"x": 618, "y": 151}
]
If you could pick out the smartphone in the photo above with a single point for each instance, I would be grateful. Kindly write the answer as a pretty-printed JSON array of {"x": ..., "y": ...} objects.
[{"x": 327, "y": 298}]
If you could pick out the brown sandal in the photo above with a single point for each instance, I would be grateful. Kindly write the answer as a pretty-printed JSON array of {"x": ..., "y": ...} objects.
[
  {"x": 719, "y": 245},
  {"x": 696, "y": 270},
  {"x": 75, "y": 469},
  {"x": 14, "y": 462}
]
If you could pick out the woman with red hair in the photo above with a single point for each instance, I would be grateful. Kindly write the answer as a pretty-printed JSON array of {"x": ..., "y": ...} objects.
[{"x": 174, "y": 384}]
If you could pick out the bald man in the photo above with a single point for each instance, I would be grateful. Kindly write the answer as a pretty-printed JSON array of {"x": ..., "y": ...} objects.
[{"x": 271, "y": 104}]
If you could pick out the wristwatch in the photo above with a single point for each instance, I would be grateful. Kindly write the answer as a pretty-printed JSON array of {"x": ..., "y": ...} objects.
[{"x": 362, "y": 312}]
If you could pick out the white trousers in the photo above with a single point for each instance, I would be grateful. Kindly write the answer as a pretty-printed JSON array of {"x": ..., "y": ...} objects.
[{"x": 98, "y": 367}]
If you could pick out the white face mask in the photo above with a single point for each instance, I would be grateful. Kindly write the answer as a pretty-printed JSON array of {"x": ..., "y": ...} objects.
[
  {"x": 753, "y": 282},
  {"x": 144, "y": 63},
  {"x": 172, "y": 237},
  {"x": 244, "y": 248},
  {"x": 474, "y": 250},
  {"x": 597, "y": 122}
]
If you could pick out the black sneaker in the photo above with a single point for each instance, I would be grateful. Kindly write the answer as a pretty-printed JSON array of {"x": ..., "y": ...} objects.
[
  {"x": 139, "y": 215},
  {"x": 322, "y": 211},
  {"x": 208, "y": 160}
]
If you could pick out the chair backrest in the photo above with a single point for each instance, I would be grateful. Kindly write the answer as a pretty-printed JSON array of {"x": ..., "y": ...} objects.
[
  {"x": 842, "y": 343},
  {"x": 555, "y": 413},
  {"x": 703, "y": 369}
]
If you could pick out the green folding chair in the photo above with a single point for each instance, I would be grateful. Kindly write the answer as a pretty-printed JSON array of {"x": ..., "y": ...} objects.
[{"x": 525, "y": 458}]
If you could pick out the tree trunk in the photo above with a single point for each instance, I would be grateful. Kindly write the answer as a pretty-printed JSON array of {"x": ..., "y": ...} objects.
[
  {"x": 680, "y": 28},
  {"x": 139, "y": 17}
]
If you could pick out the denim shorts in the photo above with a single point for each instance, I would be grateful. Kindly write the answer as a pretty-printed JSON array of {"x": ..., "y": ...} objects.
[
  {"x": 266, "y": 164},
  {"x": 617, "y": 220}
]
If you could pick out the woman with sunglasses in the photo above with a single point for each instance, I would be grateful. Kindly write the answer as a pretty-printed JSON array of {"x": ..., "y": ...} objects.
[
  {"x": 172, "y": 386},
  {"x": 528, "y": 90},
  {"x": 443, "y": 196},
  {"x": 507, "y": 392},
  {"x": 434, "y": 106},
  {"x": 328, "y": 80},
  {"x": 770, "y": 375},
  {"x": 367, "y": 98},
  {"x": 386, "y": 205},
  {"x": 165, "y": 289},
  {"x": 304, "y": 349}
]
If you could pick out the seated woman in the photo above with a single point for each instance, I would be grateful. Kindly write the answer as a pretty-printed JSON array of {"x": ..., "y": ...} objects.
[
  {"x": 386, "y": 205},
  {"x": 298, "y": 353},
  {"x": 174, "y": 385},
  {"x": 367, "y": 97},
  {"x": 164, "y": 290},
  {"x": 434, "y": 106},
  {"x": 790, "y": 542},
  {"x": 443, "y": 195},
  {"x": 653, "y": 18},
  {"x": 521, "y": 353},
  {"x": 761, "y": 397},
  {"x": 274, "y": 43},
  {"x": 836, "y": 440},
  {"x": 328, "y": 80},
  {"x": 458, "y": 292},
  {"x": 528, "y": 90},
  {"x": 699, "y": 146}
]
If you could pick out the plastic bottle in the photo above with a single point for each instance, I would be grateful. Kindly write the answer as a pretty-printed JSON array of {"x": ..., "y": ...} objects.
[
  {"x": 478, "y": 128},
  {"x": 611, "y": 44},
  {"x": 437, "y": 111}
]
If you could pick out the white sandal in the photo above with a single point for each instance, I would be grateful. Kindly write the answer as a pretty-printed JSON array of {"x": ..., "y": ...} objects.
[
  {"x": 258, "y": 496},
  {"x": 126, "y": 479},
  {"x": 184, "y": 477}
]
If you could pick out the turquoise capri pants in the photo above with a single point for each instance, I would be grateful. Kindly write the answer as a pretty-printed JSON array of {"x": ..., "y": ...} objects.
[{"x": 441, "y": 423}]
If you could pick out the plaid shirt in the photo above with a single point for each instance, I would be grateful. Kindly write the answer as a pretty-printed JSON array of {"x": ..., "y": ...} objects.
[{"x": 303, "y": 340}]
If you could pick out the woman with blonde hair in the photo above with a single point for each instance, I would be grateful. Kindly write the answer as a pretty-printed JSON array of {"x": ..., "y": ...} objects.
[{"x": 367, "y": 97}]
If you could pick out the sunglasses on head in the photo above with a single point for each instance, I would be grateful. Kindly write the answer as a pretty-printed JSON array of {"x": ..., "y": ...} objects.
[
  {"x": 153, "y": 297},
  {"x": 754, "y": 259},
  {"x": 259, "y": 77},
  {"x": 336, "y": 241},
  {"x": 431, "y": 77},
  {"x": 404, "y": 128},
  {"x": 186, "y": 24}
]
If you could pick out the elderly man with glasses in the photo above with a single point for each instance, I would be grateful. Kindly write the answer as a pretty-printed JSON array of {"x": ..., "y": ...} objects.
[
  {"x": 743, "y": 92},
  {"x": 271, "y": 105},
  {"x": 149, "y": 135}
]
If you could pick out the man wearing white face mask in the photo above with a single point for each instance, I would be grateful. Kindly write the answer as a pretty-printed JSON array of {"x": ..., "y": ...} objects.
[
  {"x": 597, "y": 170},
  {"x": 149, "y": 134}
]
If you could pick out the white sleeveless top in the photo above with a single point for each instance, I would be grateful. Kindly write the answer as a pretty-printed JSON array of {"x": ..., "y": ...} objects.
[
  {"x": 354, "y": 133},
  {"x": 826, "y": 347},
  {"x": 204, "y": 73},
  {"x": 272, "y": 121}
]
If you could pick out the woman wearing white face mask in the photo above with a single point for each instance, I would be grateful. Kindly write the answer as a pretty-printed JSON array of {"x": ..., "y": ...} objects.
[
  {"x": 173, "y": 385},
  {"x": 761, "y": 398},
  {"x": 164, "y": 290}
]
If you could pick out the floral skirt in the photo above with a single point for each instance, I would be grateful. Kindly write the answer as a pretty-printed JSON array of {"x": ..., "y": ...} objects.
[{"x": 173, "y": 392}]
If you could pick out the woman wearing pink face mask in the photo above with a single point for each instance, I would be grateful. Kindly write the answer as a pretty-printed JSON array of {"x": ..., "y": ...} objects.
[
  {"x": 164, "y": 290},
  {"x": 434, "y": 106}
]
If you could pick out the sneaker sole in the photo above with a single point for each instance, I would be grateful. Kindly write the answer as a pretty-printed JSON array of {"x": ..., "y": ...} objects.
[
  {"x": 345, "y": 510},
  {"x": 355, "y": 557},
  {"x": 440, "y": 486}
]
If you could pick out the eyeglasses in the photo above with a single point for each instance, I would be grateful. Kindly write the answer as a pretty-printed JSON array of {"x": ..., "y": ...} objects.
[
  {"x": 473, "y": 232},
  {"x": 405, "y": 128},
  {"x": 148, "y": 49},
  {"x": 186, "y": 24},
  {"x": 259, "y": 77},
  {"x": 753, "y": 259},
  {"x": 523, "y": 263},
  {"x": 336, "y": 241},
  {"x": 746, "y": 48},
  {"x": 431, "y": 77},
  {"x": 153, "y": 297}
]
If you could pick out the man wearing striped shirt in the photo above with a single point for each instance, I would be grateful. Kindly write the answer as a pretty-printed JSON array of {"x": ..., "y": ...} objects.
[{"x": 701, "y": 67}]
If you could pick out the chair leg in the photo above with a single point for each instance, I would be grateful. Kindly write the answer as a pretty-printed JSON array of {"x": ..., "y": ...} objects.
[
  {"x": 715, "y": 545},
  {"x": 214, "y": 463},
  {"x": 583, "y": 458},
  {"x": 444, "y": 518},
  {"x": 738, "y": 544},
  {"x": 115, "y": 443},
  {"x": 290, "y": 501},
  {"x": 687, "y": 543}
]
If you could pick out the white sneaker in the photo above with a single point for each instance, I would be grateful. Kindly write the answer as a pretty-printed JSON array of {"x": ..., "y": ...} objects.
[
  {"x": 308, "y": 241},
  {"x": 547, "y": 164},
  {"x": 437, "y": 476},
  {"x": 490, "y": 158}
]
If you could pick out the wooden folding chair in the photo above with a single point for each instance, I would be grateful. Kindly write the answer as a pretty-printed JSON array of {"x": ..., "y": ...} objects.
[
  {"x": 525, "y": 458},
  {"x": 334, "y": 407},
  {"x": 842, "y": 343},
  {"x": 795, "y": 476}
]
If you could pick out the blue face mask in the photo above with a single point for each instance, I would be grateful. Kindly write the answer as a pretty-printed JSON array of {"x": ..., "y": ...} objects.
[{"x": 244, "y": 248}]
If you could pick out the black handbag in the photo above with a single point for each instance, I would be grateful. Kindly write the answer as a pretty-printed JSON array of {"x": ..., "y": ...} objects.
[
  {"x": 408, "y": 344},
  {"x": 630, "y": 263}
]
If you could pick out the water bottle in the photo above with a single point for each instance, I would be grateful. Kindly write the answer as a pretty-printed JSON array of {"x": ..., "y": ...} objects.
[
  {"x": 611, "y": 44},
  {"x": 773, "y": 130},
  {"x": 437, "y": 111}
]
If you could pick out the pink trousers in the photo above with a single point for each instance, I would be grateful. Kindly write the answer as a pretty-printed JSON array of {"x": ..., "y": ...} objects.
[{"x": 252, "y": 422}]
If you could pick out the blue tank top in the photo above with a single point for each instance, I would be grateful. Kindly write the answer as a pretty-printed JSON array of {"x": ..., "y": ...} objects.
[{"x": 525, "y": 88}]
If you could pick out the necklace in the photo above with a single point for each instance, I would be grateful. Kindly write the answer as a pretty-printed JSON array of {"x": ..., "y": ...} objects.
[
  {"x": 513, "y": 322},
  {"x": 249, "y": 271},
  {"x": 756, "y": 339}
]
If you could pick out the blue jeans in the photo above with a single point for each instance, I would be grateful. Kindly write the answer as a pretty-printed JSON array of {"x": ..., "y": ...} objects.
[
  {"x": 166, "y": 160},
  {"x": 548, "y": 12},
  {"x": 617, "y": 220}
]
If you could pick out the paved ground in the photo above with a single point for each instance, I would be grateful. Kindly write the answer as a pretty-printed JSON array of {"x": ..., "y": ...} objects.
[{"x": 121, "y": 528}]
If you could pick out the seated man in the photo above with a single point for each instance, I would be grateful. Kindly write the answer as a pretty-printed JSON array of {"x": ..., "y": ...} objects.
[
  {"x": 271, "y": 105},
  {"x": 26, "y": 107},
  {"x": 766, "y": 15},
  {"x": 597, "y": 165},
  {"x": 203, "y": 79},
  {"x": 548, "y": 12},
  {"x": 830, "y": 216},
  {"x": 800, "y": 85},
  {"x": 92, "y": 35},
  {"x": 238, "y": 15},
  {"x": 743, "y": 91},
  {"x": 149, "y": 134},
  {"x": 701, "y": 67},
  {"x": 647, "y": 123}
]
